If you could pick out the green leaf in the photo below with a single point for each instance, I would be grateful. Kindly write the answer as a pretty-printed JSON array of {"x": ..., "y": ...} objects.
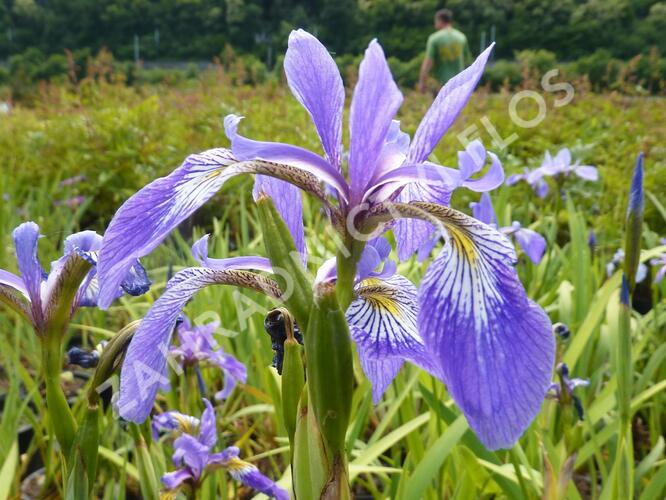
[
  {"x": 8, "y": 471},
  {"x": 428, "y": 467}
]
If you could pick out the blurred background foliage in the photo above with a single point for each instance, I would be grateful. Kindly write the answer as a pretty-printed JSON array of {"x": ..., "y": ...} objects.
[{"x": 612, "y": 42}]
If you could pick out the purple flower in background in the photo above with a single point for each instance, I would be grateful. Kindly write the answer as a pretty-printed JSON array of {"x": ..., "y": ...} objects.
[
  {"x": 618, "y": 260},
  {"x": 534, "y": 178},
  {"x": 659, "y": 261},
  {"x": 194, "y": 456},
  {"x": 72, "y": 202},
  {"x": 197, "y": 346},
  {"x": 470, "y": 322},
  {"x": 569, "y": 384},
  {"x": 70, "y": 181},
  {"x": 532, "y": 243},
  {"x": 35, "y": 293},
  {"x": 561, "y": 164}
]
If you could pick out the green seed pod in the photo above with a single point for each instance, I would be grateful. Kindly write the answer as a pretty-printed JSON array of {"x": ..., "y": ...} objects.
[
  {"x": 87, "y": 442},
  {"x": 329, "y": 368},
  {"x": 285, "y": 259}
]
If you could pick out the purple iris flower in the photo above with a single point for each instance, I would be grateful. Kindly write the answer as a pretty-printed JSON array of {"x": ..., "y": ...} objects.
[
  {"x": 534, "y": 178},
  {"x": 561, "y": 164},
  {"x": 659, "y": 261},
  {"x": 197, "y": 346},
  {"x": 532, "y": 243},
  {"x": 35, "y": 293},
  {"x": 569, "y": 385},
  {"x": 470, "y": 322},
  {"x": 193, "y": 454}
]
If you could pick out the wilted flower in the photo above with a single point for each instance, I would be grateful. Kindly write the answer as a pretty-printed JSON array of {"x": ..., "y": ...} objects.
[
  {"x": 569, "y": 385},
  {"x": 532, "y": 243},
  {"x": 35, "y": 293},
  {"x": 470, "y": 323},
  {"x": 193, "y": 454},
  {"x": 562, "y": 331},
  {"x": 197, "y": 346}
]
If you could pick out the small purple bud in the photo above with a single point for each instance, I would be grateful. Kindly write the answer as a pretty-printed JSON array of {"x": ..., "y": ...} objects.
[
  {"x": 562, "y": 331},
  {"x": 634, "y": 225},
  {"x": 82, "y": 358},
  {"x": 592, "y": 240}
]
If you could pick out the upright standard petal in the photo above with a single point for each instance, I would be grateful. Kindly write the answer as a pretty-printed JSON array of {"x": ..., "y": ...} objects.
[
  {"x": 144, "y": 368},
  {"x": 25, "y": 241},
  {"x": 447, "y": 106},
  {"x": 200, "y": 254},
  {"x": 315, "y": 81},
  {"x": 151, "y": 214},
  {"x": 245, "y": 149},
  {"x": 495, "y": 346},
  {"x": 375, "y": 102},
  {"x": 483, "y": 210},
  {"x": 288, "y": 201},
  {"x": 383, "y": 323}
]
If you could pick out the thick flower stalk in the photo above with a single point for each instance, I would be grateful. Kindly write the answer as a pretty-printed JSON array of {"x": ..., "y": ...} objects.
[
  {"x": 195, "y": 458},
  {"x": 469, "y": 323}
]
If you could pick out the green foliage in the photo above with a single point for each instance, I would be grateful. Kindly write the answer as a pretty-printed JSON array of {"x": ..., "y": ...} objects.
[{"x": 413, "y": 444}]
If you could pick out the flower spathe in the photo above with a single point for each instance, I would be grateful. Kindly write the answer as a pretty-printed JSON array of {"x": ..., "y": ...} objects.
[
  {"x": 194, "y": 456},
  {"x": 470, "y": 322}
]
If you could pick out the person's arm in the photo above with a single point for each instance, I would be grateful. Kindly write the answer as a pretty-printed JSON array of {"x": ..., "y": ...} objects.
[{"x": 426, "y": 66}]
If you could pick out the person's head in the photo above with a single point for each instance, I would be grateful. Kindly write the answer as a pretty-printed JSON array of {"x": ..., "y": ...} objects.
[{"x": 443, "y": 18}]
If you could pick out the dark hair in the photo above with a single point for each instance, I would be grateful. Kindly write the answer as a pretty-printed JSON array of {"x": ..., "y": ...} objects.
[{"x": 444, "y": 15}]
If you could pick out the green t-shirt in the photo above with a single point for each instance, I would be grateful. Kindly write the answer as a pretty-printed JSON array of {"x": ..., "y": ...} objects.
[{"x": 449, "y": 52}]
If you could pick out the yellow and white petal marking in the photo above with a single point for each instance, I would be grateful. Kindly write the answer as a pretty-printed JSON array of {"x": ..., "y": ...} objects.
[{"x": 383, "y": 323}]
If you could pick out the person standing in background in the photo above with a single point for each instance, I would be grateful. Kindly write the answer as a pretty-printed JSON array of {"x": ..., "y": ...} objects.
[{"x": 447, "y": 51}]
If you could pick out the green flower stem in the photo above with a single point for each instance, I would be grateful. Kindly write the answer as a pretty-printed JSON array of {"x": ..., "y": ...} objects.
[
  {"x": 330, "y": 384},
  {"x": 346, "y": 270},
  {"x": 61, "y": 417}
]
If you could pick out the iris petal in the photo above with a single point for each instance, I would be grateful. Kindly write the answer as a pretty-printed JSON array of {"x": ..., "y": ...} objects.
[
  {"x": 200, "y": 254},
  {"x": 383, "y": 322},
  {"x": 245, "y": 149},
  {"x": 532, "y": 243},
  {"x": 151, "y": 214},
  {"x": 447, "y": 106},
  {"x": 315, "y": 81},
  {"x": 32, "y": 274},
  {"x": 144, "y": 368},
  {"x": 375, "y": 102},
  {"x": 412, "y": 234},
  {"x": 494, "y": 345}
]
